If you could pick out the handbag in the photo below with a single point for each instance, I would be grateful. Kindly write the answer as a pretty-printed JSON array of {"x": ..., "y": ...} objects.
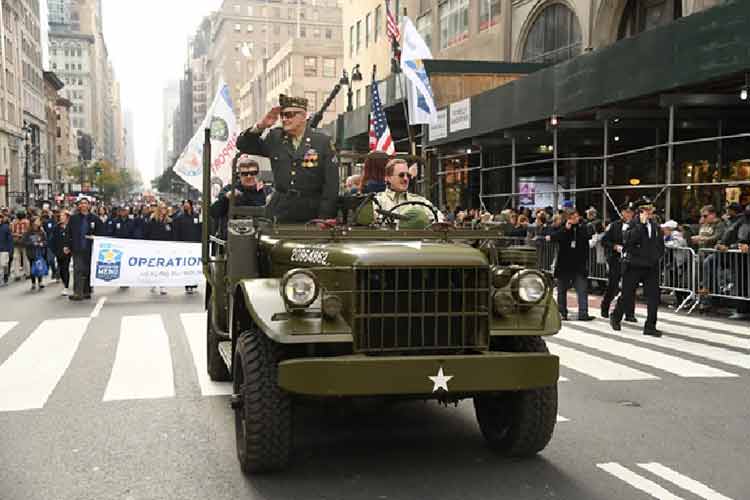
[{"x": 39, "y": 268}]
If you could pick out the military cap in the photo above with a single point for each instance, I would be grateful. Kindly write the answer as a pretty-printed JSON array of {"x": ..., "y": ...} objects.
[
  {"x": 286, "y": 101},
  {"x": 627, "y": 206},
  {"x": 644, "y": 202}
]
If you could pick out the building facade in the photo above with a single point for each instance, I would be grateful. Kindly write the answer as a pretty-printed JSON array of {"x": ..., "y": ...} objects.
[
  {"x": 170, "y": 102},
  {"x": 52, "y": 87},
  {"x": 66, "y": 149}
]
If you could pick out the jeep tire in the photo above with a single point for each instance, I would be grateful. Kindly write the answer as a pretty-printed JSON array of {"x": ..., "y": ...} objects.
[
  {"x": 518, "y": 423},
  {"x": 263, "y": 417},
  {"x": 216, "y": 367}
]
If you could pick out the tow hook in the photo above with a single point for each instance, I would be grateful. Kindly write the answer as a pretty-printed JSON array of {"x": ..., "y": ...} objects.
[{"x": 236, "y": 401}]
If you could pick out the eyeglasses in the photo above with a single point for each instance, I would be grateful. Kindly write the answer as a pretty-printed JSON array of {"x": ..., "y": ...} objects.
[
  {"x": 290, "y": 114},
  {"x": 251, "y": 173},
  {"x": 403, "y": 174}
]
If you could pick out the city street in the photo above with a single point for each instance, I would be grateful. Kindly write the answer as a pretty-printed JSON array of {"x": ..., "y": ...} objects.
[{"x": 109, "y": 399}]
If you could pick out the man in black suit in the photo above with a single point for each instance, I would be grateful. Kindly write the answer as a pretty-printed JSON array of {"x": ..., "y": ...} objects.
[
  {"x": 613, "y": 244},
  {"x": 643, "y": 250},
  {"x": 82, "y": 225}
]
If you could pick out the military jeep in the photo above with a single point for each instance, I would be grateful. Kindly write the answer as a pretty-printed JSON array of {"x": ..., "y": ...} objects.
[{"x": 308, "y": 312}]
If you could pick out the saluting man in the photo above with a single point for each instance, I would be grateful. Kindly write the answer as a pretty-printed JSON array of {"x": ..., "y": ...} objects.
[
  {"x": 643, "y": 250},
  {"x": 303, "y": 161}
]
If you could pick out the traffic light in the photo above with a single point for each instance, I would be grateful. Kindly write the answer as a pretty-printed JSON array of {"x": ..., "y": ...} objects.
[{"x": 98, "y": 170}]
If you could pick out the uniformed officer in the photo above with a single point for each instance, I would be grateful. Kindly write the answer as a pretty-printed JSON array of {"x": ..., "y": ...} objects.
[
  {"x": 612, "y": 242},
  {"x": 303, "y": 161},
  {"x": 643, "y": 249}
]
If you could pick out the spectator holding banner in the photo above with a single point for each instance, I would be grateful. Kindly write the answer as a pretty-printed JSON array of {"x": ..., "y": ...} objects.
[
  {"x": 160, "y": 228},
  {"x": 188, "y": 227},
  {"x": 122, "y": 226},
  {"x": 78, "y": 243}
]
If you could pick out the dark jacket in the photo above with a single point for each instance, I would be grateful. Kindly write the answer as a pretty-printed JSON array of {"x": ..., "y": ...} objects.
[
  {"x": 121, "y": 228},
  {"x": 250, "y": 197},
  {"x": 188, "y": 227},
  {"x": 59, "y": 235},
  {"x": 139, "y": 227},
  {"x": 613, "y": 236},
  {"x": 79, "y": 227},
  {"x": 640, "y": 251},
  {"x": 573, "y": 250},
  {"x": 309, "y": 173},
  {"x": 36, "y": 244},
  {"x": 738, "y": 233},
  {"x": 6, "y": 238},
  {"x": 160, "y": 230},
  {"x": 49, "y": 227}
]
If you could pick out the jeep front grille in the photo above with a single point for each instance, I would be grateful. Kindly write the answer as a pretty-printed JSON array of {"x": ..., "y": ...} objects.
[{"x": 423, "y": 309}]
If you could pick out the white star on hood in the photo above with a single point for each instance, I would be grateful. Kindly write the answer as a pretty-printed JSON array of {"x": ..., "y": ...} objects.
[{"x": 440, "y": 381}]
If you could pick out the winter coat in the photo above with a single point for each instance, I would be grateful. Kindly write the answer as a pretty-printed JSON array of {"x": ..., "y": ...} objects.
[
  {"x": 79, "y": 227},
  {"x": 160, "y": 229},
  {"x": 573, "y": 250},
  {"x": 188, "y": 227},
  {"x": 6, "y": 238},
  {"x": 640, "y": 250},
  {"x": 36, "y": 244},
  {"x": 121, "y": 228},
  {"x": 59, "y": 235}
]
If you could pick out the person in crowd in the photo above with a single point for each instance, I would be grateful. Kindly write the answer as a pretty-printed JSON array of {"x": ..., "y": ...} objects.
[
  {"x": 521, "y": 228},
  {"x": 19, "y": 228},
  {"x": 35, "y": 240},
  {"x": 48, "y": 225},
  {"x": 78, "y": 243},
  {"x": 188, "y": 227},
  {"x": 572, "y": 264},
  {"x": 122, "y": 226},
  {"x": 60, "y": 235},
  {"x": 677, "y": 273},
  {"x": 303, "y": 160},
  {"x": 373, "y": 173},
  {"x": 643, "y": 249},
  {"x": 352, "y": 184},
  {"x": 733, "y": 214},
  {"x": 6, "y": 249},
  {"x": 397, "y": 177},
  {"x": 737, "y": 237},
  {"x": 140, "y": 222},
  {"x": 160, "y": 228},
  {"x": 711, "y": 229},
  {"x": 612, "y": 241},
  {"x": 103, "y": 214},
  {"x": 247, "y": 192}
]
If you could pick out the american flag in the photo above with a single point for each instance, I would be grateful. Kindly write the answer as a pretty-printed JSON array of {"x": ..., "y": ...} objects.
[
  {"x": 380, "y": 134},
  {"x": 391, "y": 23}
]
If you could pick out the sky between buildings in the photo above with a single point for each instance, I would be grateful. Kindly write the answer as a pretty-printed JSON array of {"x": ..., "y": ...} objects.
[{"x": 147, "y": 44}]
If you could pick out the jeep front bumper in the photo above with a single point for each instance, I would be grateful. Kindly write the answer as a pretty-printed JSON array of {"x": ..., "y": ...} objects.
[{"x": 360, "y": 375}]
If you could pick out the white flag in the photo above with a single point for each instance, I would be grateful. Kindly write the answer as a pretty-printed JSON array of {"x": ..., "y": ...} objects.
[
  {"x": 421, "y": 100},
  {"x": 221, "y": 119}
]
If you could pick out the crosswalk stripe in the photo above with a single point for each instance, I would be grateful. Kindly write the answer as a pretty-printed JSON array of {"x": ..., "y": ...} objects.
[
  {"x": 719, "y": 354},
  {"x": 195, "y": 330},
  {"x": 594, "y": 366},
  {"x": 682, "y": 481},
  {"x": 143, "y": 362},
  {"x": 706, "y": 336},
  {"x": 31, "y": 373},
  {"x": 560, "y": 418},
  {"x": 6, "y": 326},
  {"x": 661, "y": 361},
  {"x": 637, "y": 481},
  {"x": 691, "y": 320}
]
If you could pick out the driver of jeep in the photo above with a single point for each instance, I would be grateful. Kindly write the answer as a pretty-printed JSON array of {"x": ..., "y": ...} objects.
[{"x": 397, "y": 191}]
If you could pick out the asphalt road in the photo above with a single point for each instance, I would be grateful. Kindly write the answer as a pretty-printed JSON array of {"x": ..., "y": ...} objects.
[{"x": 108, "y": 400}]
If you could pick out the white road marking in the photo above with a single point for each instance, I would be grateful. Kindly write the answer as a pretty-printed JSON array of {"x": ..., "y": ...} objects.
[
  {"x": 692, "y": 320},
  {"x": 682, "y": 481},
  {"x": 6, "y": 326},
  {"x": 594, "y": 366},
  {"x": 665, "y": 362},
  {"x": 143, "y": 362},
  {"x": 560, "y": 418},
  {"x": 696, "y": 333},
  {"x": 563, "y": 379},
  {"x": 195, "y": 330},
  {"x": 98, "y": 307},
  {"x": 719, "y": 354},
  {"x": 637, "y": 481},
  {"x": 31, "y": 373}
]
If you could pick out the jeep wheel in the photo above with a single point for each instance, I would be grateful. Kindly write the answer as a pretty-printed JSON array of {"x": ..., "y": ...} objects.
[
  {"x": 518, "y": 423},
  {"x": 217, "y": 369},
  {"x": 262, "y": 410}
]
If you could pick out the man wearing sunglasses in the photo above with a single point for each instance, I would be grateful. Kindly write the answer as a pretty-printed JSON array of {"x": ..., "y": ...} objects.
[
  {"x": 303, "y": 161},
  {"x": 398, "y": 178},
  {"x": 247, "y": 191}
]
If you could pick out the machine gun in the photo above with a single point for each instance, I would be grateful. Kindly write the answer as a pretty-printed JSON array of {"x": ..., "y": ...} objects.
[{"x": 315, "y": 119}]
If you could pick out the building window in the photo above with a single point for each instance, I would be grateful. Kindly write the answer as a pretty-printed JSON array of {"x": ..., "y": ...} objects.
[
  {"x": 554, "y": 36},
  {"x": 329, "y": 67},
  {"x": 351, "y": 40},
  {"x": 454, "y": 22},
  {"x": 489, "y": 13},
  {"x": 250, "y": 28},
  {"x": 312, "y": 100},
  {"x": 424, "y": 27},
  {"x": 302, "y": 32},
  {"x": 368, "y": 22},
  {"x": 329, "y": 33},
  {"x": 359, "y": 35},
  {"x": 237, "y": 27},
  {"x": 237, "y": 8},
  {"x": 250, "y": 10},
  {"x": 311, "y": 66},
  {"x": 316, "y": 33},
  {"x": 276, "y": 29},
  {"x": 642, "y": 15},
  {"x": 378, "y": 23}
]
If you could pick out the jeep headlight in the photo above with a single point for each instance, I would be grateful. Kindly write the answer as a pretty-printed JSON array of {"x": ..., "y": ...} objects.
[
  {"x": 530, "y": 287},
  {"x": 299, "y": 288}
]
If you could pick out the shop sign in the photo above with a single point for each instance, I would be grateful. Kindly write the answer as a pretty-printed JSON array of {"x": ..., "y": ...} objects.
[
  {"x": 460, "y": 115},
  {"x": 439, "y": 129}
]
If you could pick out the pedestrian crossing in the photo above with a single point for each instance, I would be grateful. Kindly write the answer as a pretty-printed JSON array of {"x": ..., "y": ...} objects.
[
  {"x": 143, "y": 366},
  {"x": 668, "y": 476}
]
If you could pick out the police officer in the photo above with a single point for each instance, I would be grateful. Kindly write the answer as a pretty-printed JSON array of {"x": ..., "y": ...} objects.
[
  {"x": 303, "y": 161},
  {"x": 612, "y": 242},
  {"x": 643, "y": 249}
]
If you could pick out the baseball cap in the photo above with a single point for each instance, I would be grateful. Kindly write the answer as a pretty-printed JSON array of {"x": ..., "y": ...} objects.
[{"x": 670, "y": 224}]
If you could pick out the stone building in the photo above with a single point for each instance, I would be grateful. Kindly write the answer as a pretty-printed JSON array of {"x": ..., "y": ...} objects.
[
  {"x": 53, "y": 166},
  {"x": 66, "y": 148}
]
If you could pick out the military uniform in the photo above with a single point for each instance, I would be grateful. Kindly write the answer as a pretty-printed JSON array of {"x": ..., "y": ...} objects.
[
  {"x": 613, "y": 236},
  {"x": 305, "y": 170}
]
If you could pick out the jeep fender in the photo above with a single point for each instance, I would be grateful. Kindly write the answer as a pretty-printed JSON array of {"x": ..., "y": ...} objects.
[{"x": 259, "y": 301}]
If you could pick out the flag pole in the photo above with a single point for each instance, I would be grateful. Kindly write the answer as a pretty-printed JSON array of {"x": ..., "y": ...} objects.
[{"x": 397, "y": 73}]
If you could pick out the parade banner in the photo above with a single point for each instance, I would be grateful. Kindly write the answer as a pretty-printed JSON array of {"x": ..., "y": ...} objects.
[
  {"x": 422, "y": 108},
  {"x": 139, "y": 263}
]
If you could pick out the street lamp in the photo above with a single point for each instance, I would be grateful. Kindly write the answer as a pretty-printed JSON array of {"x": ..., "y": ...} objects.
[{"x": 356, "y": 77}]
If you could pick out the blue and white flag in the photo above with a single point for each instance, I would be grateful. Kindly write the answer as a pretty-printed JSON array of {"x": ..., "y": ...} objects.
[{"x": 421, "y": 99}]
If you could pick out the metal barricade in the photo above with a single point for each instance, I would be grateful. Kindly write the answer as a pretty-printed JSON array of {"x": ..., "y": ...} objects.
[
  {"x": 598, "y": 268},
  {"x": 723, "y": 274},
  {"x": 677, "y": 273}
]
